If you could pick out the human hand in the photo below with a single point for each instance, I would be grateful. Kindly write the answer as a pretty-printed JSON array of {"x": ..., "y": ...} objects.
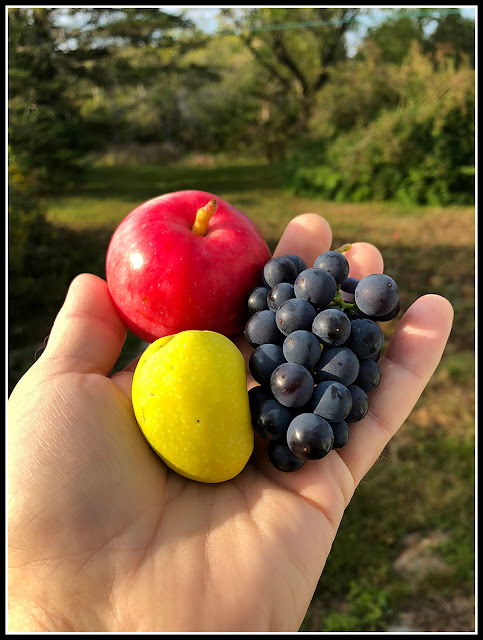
[{"x": 104, "y": 537}]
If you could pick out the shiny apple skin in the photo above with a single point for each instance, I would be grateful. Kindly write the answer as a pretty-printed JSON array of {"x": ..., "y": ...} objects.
[{"x": 163, "y": 278}]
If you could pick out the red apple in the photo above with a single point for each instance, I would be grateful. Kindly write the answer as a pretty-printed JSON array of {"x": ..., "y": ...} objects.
[{"x": 184, "y": 260}]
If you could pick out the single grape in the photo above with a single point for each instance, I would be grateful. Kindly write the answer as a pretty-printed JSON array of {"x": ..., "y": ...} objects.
[
  {"x": 294, "y": 314},
  {"x": 279, "y": 270},
  {"x": 376, "y": 295},
  {"x": 256, "y": 395},
  {"x": 376, "y": 357},
  {"x": 366, "y": 338},
  {"x": 341, "y": 433},
  {"x": 291, "y": 384},
  {"x": 360, "y": 404},
  {"x": 331, "y": 400},
  {"x": 347, "y": 289},
  {"x": 369, "y": 375},
  {"x": 270, "y": 419},
  {"x": 261, "y": 328},
  {"x": 298, "y": 262},
  {"x": 392, "y": 314},
  {"x": 316, "y": 286},
  {"x": 282, "y": 458},
  {"x": 310, "y": 437},
  {"x": 335, "y": 263},
  {"x": 332, "y": 327},
  {"x": 264, "y": 360},
  {"x": 257, "y": 299},
  {"x": 302, "y": 347},
  {"x": 279, "y": 294},
  {"x": 338, "y": 364}
]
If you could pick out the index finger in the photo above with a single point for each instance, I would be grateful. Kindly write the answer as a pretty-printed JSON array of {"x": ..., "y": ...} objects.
[{"x": 306, "y": 236}]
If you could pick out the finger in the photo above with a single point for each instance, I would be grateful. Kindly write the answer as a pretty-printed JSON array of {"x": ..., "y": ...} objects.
[
  {"x": 88, "y": 334},
  {"x": 132, "y": 365},
  {"x": 364, "y": 258},
  {"x": 123, "y": 380},
  {"x": 325, "y": 483},
  {"x": 246, "y": 350},
  {"x": 411, "y": 358},
  {"x": 306, "y": 236}
]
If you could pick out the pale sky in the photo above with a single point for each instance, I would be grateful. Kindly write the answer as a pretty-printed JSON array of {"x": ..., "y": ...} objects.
[{"x": 205, "y": 19}]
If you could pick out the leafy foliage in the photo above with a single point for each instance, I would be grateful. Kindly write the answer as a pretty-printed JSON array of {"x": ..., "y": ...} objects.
[
  {"x": 431, "y": 28},
  {"x": 45, "y": 128},
  {"x": 394, "y": 36},
  {"x": 456, "y": 36},
  {"x": 140, "y": 90},
  {"x": 148, "y": 86},
  {"x": 24, "y": 213},
  {"x": 290, "y": 65},
  {"x": 421, "y": 151},
  {"x": 42, "y": 257}
]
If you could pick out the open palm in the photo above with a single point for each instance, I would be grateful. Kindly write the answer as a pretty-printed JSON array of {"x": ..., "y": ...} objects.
[{"x": 104, "y": 537}]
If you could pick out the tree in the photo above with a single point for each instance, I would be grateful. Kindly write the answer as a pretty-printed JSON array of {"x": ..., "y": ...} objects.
[
  {"x": 444, "y": 29},
  {"x": 454, "y": 33},
  {"x": 420, "y": 151},
  {"x": 82, "y": 78},
  {"x": 394, "y": 36},
  {"x": 295, "y": 52},
  {"x": 45, "y": 129},
  {"x": 140, "y": 94}
]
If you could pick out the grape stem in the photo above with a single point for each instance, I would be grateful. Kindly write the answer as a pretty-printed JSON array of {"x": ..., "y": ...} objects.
[{"x": 341, "y": 304}]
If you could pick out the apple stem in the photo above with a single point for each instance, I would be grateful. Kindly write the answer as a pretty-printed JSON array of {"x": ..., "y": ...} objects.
[
  {"x": 203, "y": 216},
  {"x": 345, "y": 247}
]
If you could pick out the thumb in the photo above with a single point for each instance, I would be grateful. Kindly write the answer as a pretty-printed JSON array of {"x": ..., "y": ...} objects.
[{"x": 88, "y": 334}]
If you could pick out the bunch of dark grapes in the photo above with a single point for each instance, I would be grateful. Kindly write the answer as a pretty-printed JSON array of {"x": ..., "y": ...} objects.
[{"x": 316, "y": 341}]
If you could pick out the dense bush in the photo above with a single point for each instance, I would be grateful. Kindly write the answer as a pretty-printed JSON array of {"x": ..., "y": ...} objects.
[
  {"x": 24, "y": 214},
  {"x": 45, "y": 127},
  {"x": 420, "y": 151},
  {"x": 42, "y": 257}
]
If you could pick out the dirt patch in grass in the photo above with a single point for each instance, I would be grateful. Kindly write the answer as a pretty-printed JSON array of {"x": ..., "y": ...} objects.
[{"x": 438, "y": 614}]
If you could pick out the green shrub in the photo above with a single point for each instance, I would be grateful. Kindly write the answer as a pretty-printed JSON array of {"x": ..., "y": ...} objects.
[
  {"x": 41, "y": 256},
  {"x": 418, "y": 153},
  {"x": 367, "y": 609},
  {"x": 24, "y": 214}
]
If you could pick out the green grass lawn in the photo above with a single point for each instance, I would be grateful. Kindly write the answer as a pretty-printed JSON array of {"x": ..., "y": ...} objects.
[{"x": 424, "y": 481}]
